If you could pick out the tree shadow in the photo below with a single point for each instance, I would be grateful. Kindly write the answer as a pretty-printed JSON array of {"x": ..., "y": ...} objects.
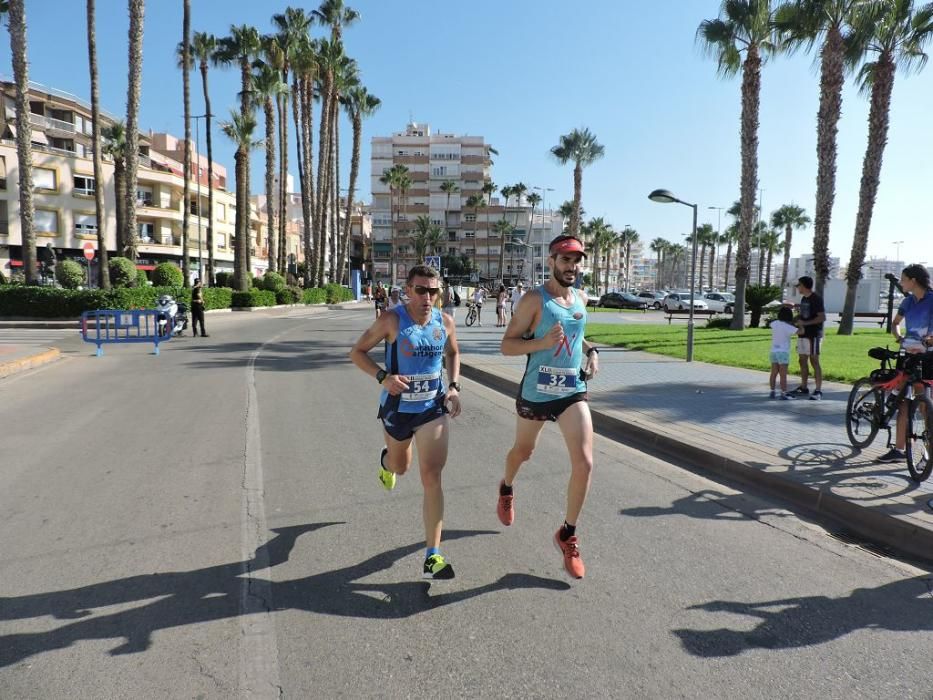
[
  {"x": 176, "y": 599},
  {"x": 708, "y": 504},
  {"x": 787, "y": 623}
]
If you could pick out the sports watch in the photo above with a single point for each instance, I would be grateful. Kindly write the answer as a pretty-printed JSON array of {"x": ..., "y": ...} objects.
[
  {"x": 454, "y": 385},
  {"x": 381, "y": 375},
  {"x": 592, "y": 350}
]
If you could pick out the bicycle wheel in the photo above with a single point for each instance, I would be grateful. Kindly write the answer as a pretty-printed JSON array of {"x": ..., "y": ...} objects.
[
  {"x": 863, "y": 413},
  {"x": 471, "y": 317},
  {"x": 920, "y": 438}
]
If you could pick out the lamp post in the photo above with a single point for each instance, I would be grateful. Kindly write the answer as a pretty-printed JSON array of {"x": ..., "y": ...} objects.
[
  {"x": 665, "y": 197},
  {"x": 197, "y": 148},
  {"x": 897, "y": 259}
]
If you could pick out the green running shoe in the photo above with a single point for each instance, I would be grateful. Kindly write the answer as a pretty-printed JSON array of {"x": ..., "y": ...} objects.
[
  {"x": 436, "y": 567},
  {"x": 386, "y": 478}
]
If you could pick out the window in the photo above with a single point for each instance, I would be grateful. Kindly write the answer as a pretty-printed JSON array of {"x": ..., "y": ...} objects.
[
  {"x": 451, "y": 235},
  {"x": 469, "y": 217},
  {"x": 469, "y": 234},
  {"x": 146, "y": 231},
  {"x": 144, "y": 196},
  {"x": 221, "y": 239},
  {"x": 2, "y": 172},
  {"x": 451, "y": 251},
  {"x": 45, "y": 221},
  {"x": 4, "y": 218},
  {"x": 439, "y": 170},
  {"x": 83, "y": 184},
  {"x": 221, "y": 211},
  {"x": 85, "y": 224},
  {"x": 44, "y": 179}
]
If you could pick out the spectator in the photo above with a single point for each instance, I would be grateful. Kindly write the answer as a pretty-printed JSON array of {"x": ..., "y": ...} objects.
[
  {"x": 450, "y": 300},
  {"x": 500, "y": 306},
  {"x": 810, "y": 322},
  {"x": 395, "y": 299},
  {"x": 479, "y": 295},
  {"x": 197, "y": 308},
  {"x": 782, "y": 330},
  {"x": 516, "y": 296}
]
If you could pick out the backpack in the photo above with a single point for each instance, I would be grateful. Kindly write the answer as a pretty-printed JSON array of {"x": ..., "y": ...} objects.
[{"x": 456, "y": 298}]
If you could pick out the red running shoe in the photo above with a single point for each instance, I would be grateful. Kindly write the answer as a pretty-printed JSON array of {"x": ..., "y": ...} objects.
[
  {"x": 504, "y": 507},
  {"x": 571, "y": 551}
]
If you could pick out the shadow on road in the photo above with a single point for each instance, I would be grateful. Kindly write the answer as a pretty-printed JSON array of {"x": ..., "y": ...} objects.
[
  {"x": 176, "y": 599},
  {"x": 786, "y": 623}
]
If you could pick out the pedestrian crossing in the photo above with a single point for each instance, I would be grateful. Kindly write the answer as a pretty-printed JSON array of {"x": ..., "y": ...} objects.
[{"x": 35, "y": 336}]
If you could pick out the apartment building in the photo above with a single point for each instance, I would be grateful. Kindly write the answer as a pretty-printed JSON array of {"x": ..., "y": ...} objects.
[
  {"x": 64, "y": 188},
  {"x": 432, "y": 158}
]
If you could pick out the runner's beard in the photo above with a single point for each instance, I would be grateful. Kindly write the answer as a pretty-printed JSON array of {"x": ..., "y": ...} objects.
[{"x": 560, "y": 279}]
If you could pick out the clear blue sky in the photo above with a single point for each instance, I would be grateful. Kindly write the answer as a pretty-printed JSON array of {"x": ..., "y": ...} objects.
[{"x": 523, "y": 72}]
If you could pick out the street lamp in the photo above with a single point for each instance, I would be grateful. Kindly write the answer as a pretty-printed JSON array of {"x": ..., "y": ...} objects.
[
  {"x": 665, "y": 197},
  {"x": 897, "y": 259}
]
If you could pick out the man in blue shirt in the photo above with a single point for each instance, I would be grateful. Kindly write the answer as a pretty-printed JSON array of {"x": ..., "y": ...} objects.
[{"x": 916, "y": 312}]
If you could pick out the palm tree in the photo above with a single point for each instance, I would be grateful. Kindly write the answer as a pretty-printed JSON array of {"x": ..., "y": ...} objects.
[
  {"x": 240, "y": 48},
  {"x": 114, "y": 146},
  {"x": 203, "y": 46},
  {"x": 518, "y": 191},
  {"x": 502, "y": 228},
  {"x": 602, "y": 238},
  {"x": 788, "y": 218},
  {"x": 895, "y": 32},
  {"x": 240, "y": 130},
  {"x": 772, "y": 244},
  {"x": 330, "y": 53},
  {"x": 729, "y": 237},
  {"x": 336, "y": 15},
  {"x": 305, "y": 67},
  {"x": 103, "y": 262},
  {"x": 744, "y": 27},
  {"x": 705, "y": 236},
  {"x": 658, "y": 245},
  {"x": 346, "y": 78},
  {"x": 360, "y": 105},
  {"x": 395, "y": 178},
  {"x": 803, "y": 23},
  {"x": 137, "y": 9},
  {"x": 448, "y": 187},
  {"x": 186, "y": 166},
  {"x": 474, "y": 202},
  {"x": 267, "y": 88},
  {"x": 420, "y": 238},
  {"x": 581, "y": 148}
]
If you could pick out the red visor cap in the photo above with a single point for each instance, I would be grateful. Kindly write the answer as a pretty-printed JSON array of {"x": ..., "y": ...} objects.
[{"x": 569, "y": 245}]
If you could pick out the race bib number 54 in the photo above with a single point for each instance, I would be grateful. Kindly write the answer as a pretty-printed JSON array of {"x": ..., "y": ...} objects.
[
  {"x": 557, "y": 381},
  {"x": 422, "y": 387}
]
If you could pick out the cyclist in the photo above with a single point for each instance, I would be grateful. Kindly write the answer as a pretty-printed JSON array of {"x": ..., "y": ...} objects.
[
  {"x": 916, "y": 312},
  {"x": 479, "y": 295},
  {"x": 415, "y": 401},
  {"x": 548, "y": 327}
]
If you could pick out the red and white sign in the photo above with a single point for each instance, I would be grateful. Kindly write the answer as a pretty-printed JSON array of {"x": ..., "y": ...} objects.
[{"x": 89, "y": 250}]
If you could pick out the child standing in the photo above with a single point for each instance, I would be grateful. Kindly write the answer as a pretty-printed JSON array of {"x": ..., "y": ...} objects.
[{"x": 782, "y": 330}]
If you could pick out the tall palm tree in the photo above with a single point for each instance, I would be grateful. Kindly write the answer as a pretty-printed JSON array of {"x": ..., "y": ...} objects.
[
  {"x": 305, "y": 69},
  {"x": 267, "y": 89},
  {"x": 582, "y": 149},
  {"x": 627, "y": 239},
  {"x": 448, "y": 187},
  {"x": 103, "y": 266},
  {"x": 394, "y": 178},
  {"x": 330, "y": 54},
  {"x": 770, "y": 243},
  {"x": 893, "y": 33},
  {"x": 273, "y": 56},
  {"x": 336, "y": 15},
  {"x": 518, "y": 191},
  {"x": 744, "y": 27},
  {"x": 186, "y": 166},
  {"x": 114, "y": 145},
  {"x": 240, "y": 130},
  {"x": 137, "y": 11},
  {"x": 488, "y": 189},
  {"x": 729, "y": 237},
  {"x": 657, "y": 247},
  {"x": 360, "y": 105},
  {"x": 503, "y": 230},
  {"x": 788, "y": 218},
  {"x": 346, "y": 77},
  {"x": 705, "y": 236},
  {"x": 203, "y": 46},
  {"x": 602, "y": 238},
  {"x": 240, "y": 48},
  {"x": 474, "y": 201},
  {"x": 802, "y": 23}
]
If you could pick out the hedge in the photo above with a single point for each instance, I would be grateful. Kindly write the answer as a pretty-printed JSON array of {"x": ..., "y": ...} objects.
[
  {"x": 167, "y": 275},
  {"x": 273, "y": 281},
  {"x": 122, "y": 272},
  {"x": 254, "y": 297},
  {"x": 314, "y": 296},
  {"x": 69, "y": 274}
]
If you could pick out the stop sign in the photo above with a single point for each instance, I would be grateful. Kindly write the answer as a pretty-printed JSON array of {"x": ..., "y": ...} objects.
[{"x": 89, "y": 250}]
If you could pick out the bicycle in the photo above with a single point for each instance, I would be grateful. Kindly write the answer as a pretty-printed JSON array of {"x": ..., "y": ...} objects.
[
  {"x": 471, "y": 313},
  {"x": 877, "y": 398}
]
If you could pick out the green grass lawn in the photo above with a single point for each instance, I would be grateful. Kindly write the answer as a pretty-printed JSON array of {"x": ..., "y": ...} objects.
[{"x": 844, "y": 357}]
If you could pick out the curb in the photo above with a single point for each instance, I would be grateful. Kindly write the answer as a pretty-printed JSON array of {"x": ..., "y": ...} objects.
[
  {"x": 871, "y": 525},
  {"x": 22, "y": 364}
]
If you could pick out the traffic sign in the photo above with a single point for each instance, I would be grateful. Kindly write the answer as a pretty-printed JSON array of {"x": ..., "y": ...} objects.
[
  {"x": 433, "y": 261},
  {"x": 474, "y": 277},
  {"x": 88, "y": 250}
]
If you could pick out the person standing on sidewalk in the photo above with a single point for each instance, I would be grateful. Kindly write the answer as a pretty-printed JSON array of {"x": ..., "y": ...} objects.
[
  {"x": 197, "y": 308},
  {"x": 449, "y": 300},
  {"x": 916, "y": 312},
  {"x": 479, "y": 295},
  {"x": 548, "y": 326},
  {"x": 782, "y": 330},
  {"x": 415, "y": 401},
  {"x": 810, "y": 322}
]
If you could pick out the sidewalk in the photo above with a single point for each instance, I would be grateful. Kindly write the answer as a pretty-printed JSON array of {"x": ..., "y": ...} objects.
[{"x": 721, "y": 419}]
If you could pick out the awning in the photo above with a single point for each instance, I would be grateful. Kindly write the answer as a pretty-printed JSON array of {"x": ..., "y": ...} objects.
[
  {"x": 39, "y": 137},
  {"x": 145, "y": 267}
]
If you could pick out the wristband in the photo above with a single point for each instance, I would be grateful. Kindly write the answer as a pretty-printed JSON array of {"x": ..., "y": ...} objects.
[
  {"x": 592, "y": 350},
  {"x": 454, "y": 385},
  {"x": 381, "y": 375}
]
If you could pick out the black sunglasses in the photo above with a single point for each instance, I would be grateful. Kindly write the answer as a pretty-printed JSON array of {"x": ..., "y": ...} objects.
[{"x": 433, "y": 291}]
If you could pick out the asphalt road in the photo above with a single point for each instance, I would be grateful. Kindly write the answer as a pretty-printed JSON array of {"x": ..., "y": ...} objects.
[{"x": 208, "y": 524}]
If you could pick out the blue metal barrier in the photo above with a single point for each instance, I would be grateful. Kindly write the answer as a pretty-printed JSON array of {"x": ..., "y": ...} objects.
[{"x": 118, "y": 326}]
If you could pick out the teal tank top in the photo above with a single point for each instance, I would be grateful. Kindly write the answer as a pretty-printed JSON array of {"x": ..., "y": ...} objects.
[
  {"x": 554, "y": 373},
  {"x": 417, "y": 353}
]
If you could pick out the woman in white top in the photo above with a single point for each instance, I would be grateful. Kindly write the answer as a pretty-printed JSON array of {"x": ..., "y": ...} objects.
[
  {"x": 782, "y": 330},
  {"x": 478, "y": 297},
  {"x": 395, "y": 299}
]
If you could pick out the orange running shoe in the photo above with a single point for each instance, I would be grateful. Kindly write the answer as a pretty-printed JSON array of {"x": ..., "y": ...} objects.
[
  {"x": 571, "y": 551},
  {"x": 504, "y": 507}
]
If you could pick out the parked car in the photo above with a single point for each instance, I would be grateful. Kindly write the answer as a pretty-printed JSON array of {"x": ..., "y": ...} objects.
[
  {"x": 655, "y": 300},
  {"x": 722, "y": 302},
  {"x": 623, "y": 300},
  {"x": 678, "y": 301}
]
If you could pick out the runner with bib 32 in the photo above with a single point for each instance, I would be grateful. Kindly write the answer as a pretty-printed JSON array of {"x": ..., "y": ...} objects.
[{"x": 548, "y": 326}]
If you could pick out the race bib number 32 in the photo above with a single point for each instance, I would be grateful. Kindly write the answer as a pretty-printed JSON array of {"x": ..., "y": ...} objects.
[{"x": 557, "y": 381}]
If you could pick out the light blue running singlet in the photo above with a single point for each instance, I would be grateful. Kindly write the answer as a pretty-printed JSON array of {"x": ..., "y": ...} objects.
[
  {"x": 417, "y": 353},
  {"x": 553, "y": 373}
]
